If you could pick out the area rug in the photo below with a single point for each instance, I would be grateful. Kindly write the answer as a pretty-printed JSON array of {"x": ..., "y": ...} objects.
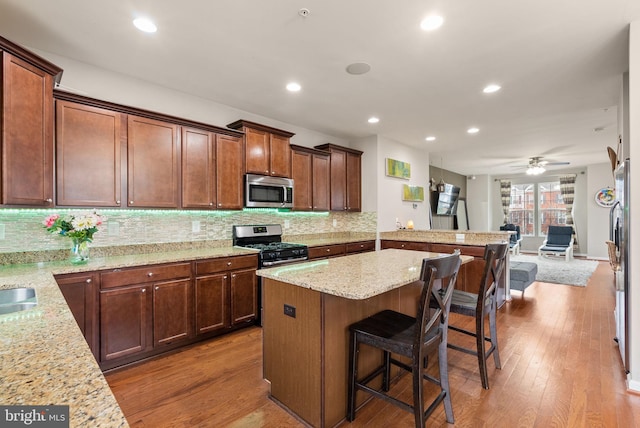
[{"x": 558, "y": 271}]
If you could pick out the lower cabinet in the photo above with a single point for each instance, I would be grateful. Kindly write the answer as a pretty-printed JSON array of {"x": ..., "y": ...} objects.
[
  {"x": 226, "y": 293},
  {"x": 404, "y": 245},
  {"x": 360, "y": 247},
  {"x": 144, "y": 311},
  {"x": 81, "y": 293},
  {"x": 336, "y": 250}
]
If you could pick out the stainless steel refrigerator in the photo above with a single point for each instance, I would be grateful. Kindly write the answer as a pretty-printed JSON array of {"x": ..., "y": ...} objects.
[{"x": 619, "y": 230}]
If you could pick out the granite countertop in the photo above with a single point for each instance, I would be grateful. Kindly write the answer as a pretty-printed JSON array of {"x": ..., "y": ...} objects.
[
  {"x": 44, "y": 358},
  {"x": 319, "y": 241},
  {"x": 457, "y": 237},
  {"x": 357, "y": 276}
]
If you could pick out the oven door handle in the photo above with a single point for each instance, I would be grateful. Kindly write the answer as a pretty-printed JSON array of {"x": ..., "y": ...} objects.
[{"x": 279, "y": 262}]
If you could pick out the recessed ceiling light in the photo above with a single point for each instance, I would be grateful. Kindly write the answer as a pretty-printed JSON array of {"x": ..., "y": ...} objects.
[
  {"x": 431, "y": 22},
  {"x": 473, "y": 130},
  {"x": 293, "y": 87},
  {"x": 145, "y": 24},
  {"x": 489, "y": 89},
  {"x": 430, "y": 138},
  {"x": 358, "y": 68},
  {"x": 373, "y": 120}
]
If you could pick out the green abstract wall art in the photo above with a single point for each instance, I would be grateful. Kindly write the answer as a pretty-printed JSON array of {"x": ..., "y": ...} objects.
[
  {"x": 398, "y": 169},
  {"x": 412, "y": 193}
]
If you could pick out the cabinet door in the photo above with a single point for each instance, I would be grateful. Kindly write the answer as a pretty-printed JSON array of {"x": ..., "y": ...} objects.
[
  {"x": 301, "y": 172},
  {"x": 257, "y": 151},
  {"x": 338, "y": 181},
  {"x": 404, "y": 245},
  {"x": 80, "y": 292},
  {"x": 353, "y": 182},
  {"x": 125, "y": 322},
  {"x": 321, "y": 183},
  {"x": 88, "y": 161},
  {"x": 198, "y": 169},
  {"x": 212, "y": 303},
  {"x": 279, "y": 156},
  {"x": 229, "y": 172},
  {"x": 172, "y": 313},
  {"x": 244, "y": 302},
  {"x": 153, "y": 177},
  {"x": 27, "y": 134}
]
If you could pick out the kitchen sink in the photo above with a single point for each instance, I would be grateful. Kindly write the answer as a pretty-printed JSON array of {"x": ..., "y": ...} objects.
[{"x": 17, "y": 299}]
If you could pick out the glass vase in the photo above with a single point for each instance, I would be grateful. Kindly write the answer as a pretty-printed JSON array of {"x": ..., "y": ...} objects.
[{"x": 79, "y": 251}]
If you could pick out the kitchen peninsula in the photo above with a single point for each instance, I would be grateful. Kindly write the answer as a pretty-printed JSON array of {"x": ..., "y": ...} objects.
[{"x": 307, "y": 310}]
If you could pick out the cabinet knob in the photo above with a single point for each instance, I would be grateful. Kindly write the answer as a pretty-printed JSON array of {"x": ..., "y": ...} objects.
[
  {"x": 48, "y": 200},
  {"x": 225, "y": 277},
  {"x": 361, "y": 245},
  {"x": 328, "y": 250},
  {"x": 210, "y": 204},
  {"x": 219, "y": 204},
  {"x": 88, "y": 280},
  {"x": 157, "y": 288},
  {"x": 130, "y": 202},
  {"x": 118, "y": 202},
  {"x": 144, "y": 290},
  {"x": 266, "y": 172},
  {"x": 150, "y": 274},
  {"x": 233, "y": 276},
  {"x": 402, "y": 246},
  {"x": 228, "y": 263}
]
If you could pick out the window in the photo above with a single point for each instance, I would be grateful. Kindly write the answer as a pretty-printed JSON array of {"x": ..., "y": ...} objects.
[{"x": 534, "y": 218}]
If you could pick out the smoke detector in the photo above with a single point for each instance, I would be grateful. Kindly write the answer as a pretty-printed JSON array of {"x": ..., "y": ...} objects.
[{"x": 304, "y": 12}]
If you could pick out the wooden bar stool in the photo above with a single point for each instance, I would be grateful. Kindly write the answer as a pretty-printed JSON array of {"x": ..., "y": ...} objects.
[
  {"x": 480, "y": 306},
  {"x": 415, "y": 338}
]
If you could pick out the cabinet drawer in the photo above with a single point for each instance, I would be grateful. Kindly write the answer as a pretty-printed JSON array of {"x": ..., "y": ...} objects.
[
  {"x": 151, "y": 273},
  {"x": 355, "y": 247},
  {"x": 465, "y": 250},
  {"x": 405, "y": 245},
  {"x": 326, "y": 251},
  {"x": 226, "y": 263}
]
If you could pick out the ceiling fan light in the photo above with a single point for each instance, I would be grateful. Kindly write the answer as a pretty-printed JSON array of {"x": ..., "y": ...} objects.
[{"x": 535, "y": 170}]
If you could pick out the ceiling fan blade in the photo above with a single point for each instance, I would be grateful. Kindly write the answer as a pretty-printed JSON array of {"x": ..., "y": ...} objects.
[{"x": 556, "y": 163}]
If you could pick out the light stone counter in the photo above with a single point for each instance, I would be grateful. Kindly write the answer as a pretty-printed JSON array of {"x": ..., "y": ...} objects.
[
  {"x": 357, "y": 276},
  {"x": 458, "y": 237},
  {"x": 320, "y": 240},
  {"x": 44, "y": 358}
]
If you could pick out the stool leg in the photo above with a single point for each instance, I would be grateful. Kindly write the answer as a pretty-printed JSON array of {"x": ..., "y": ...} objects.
[
  {"x": 443, "y": 367},
  {"x": 353, "y": 373},
  {"x": 480, "y": 350},
  {"x": 417, "y": 370},
  {"x": 494, "y": 335},
  {"x": 386, "y": 374}
]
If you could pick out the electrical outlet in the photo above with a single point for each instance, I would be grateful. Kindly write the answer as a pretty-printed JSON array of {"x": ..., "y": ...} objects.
[
  {"x": 195, "y": 226},
  {"x": 290, "y": 311},
  {"x": 335, "y": 222},
  {"x": 287, "y": 224},
  {"x": 1, "y": 231}
]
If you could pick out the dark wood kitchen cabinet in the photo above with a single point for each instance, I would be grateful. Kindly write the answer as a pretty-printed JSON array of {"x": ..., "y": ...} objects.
[
  {"x": 144, "y": 311},
  {"x": 360, "y": 247},
  {"x": 198, "y": 169},
  {"x": 153, "y": 163},
  {"x": 225, "y": 293},
  {"x": 229, "y": 172},
  {"x": 26, "y": 127},
  {"x": 404, "y": 245},
  {"x": 267, "y": 150},
  {"x": 81, "y": 293},
  {"x": 310, "y": 173},
  {"x": 346, "y": 177},
  {"x": 88, "y": 155}
]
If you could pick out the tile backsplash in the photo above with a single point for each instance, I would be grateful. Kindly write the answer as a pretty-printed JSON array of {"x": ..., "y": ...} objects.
[{"x": 23, "y": 229}]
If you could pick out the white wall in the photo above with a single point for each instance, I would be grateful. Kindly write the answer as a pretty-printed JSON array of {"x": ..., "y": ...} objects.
[
  {"x": 598, "y": 176},
  {"x": 369, "y": 147},
  {"x": 118, "y": 88},
  {"x": 390, "y": 203},
  {"x": 478, "y": 206},
  {"x": 634, "y": 202}
]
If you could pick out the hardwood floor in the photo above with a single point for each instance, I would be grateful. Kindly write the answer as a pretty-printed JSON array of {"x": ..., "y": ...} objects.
[{"x": 560, "y": 368}]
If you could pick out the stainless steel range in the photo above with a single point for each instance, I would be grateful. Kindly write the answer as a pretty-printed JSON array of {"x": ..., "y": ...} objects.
[{"x": 268, "y": 239}]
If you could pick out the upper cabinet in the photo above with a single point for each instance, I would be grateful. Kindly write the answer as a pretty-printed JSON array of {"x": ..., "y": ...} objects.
[
  {"x": 88, "y": 151},
  {"x": 267, "y": 150},
  {"x": 345, "y": 172},
  {"x": 230, "y": 172},
  {"x": 26, "y": 127},
  {"x": 310, "y": 173},
  {"x": 198, "y": 168},
  {"x": 153, "y": 167}
]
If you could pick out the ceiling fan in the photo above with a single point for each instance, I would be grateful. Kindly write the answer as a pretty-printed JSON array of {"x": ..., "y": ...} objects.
[{"x": 536, "y": 165}]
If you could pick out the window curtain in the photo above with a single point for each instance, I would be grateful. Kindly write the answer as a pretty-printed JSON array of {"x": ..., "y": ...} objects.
[
  {"x": 505, "y": 195},
  {"x": 567, "y": 190}
]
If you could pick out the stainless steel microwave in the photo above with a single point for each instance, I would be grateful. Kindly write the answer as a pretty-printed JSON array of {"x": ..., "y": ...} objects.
[{"x": 262, "y": 191}]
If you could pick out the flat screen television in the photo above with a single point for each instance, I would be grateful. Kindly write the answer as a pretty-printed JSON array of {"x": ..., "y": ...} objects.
[{"x": 446, "y": 202}]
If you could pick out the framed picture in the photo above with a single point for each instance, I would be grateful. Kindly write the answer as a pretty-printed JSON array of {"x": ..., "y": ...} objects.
[
  {"x": 412, "y": 193},
  {"x": 398, "y": 169},
  {"x": 605, "y": 197}
]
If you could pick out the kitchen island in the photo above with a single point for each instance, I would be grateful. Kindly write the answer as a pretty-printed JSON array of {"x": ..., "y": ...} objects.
[{"x": 307, "y": 310}]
